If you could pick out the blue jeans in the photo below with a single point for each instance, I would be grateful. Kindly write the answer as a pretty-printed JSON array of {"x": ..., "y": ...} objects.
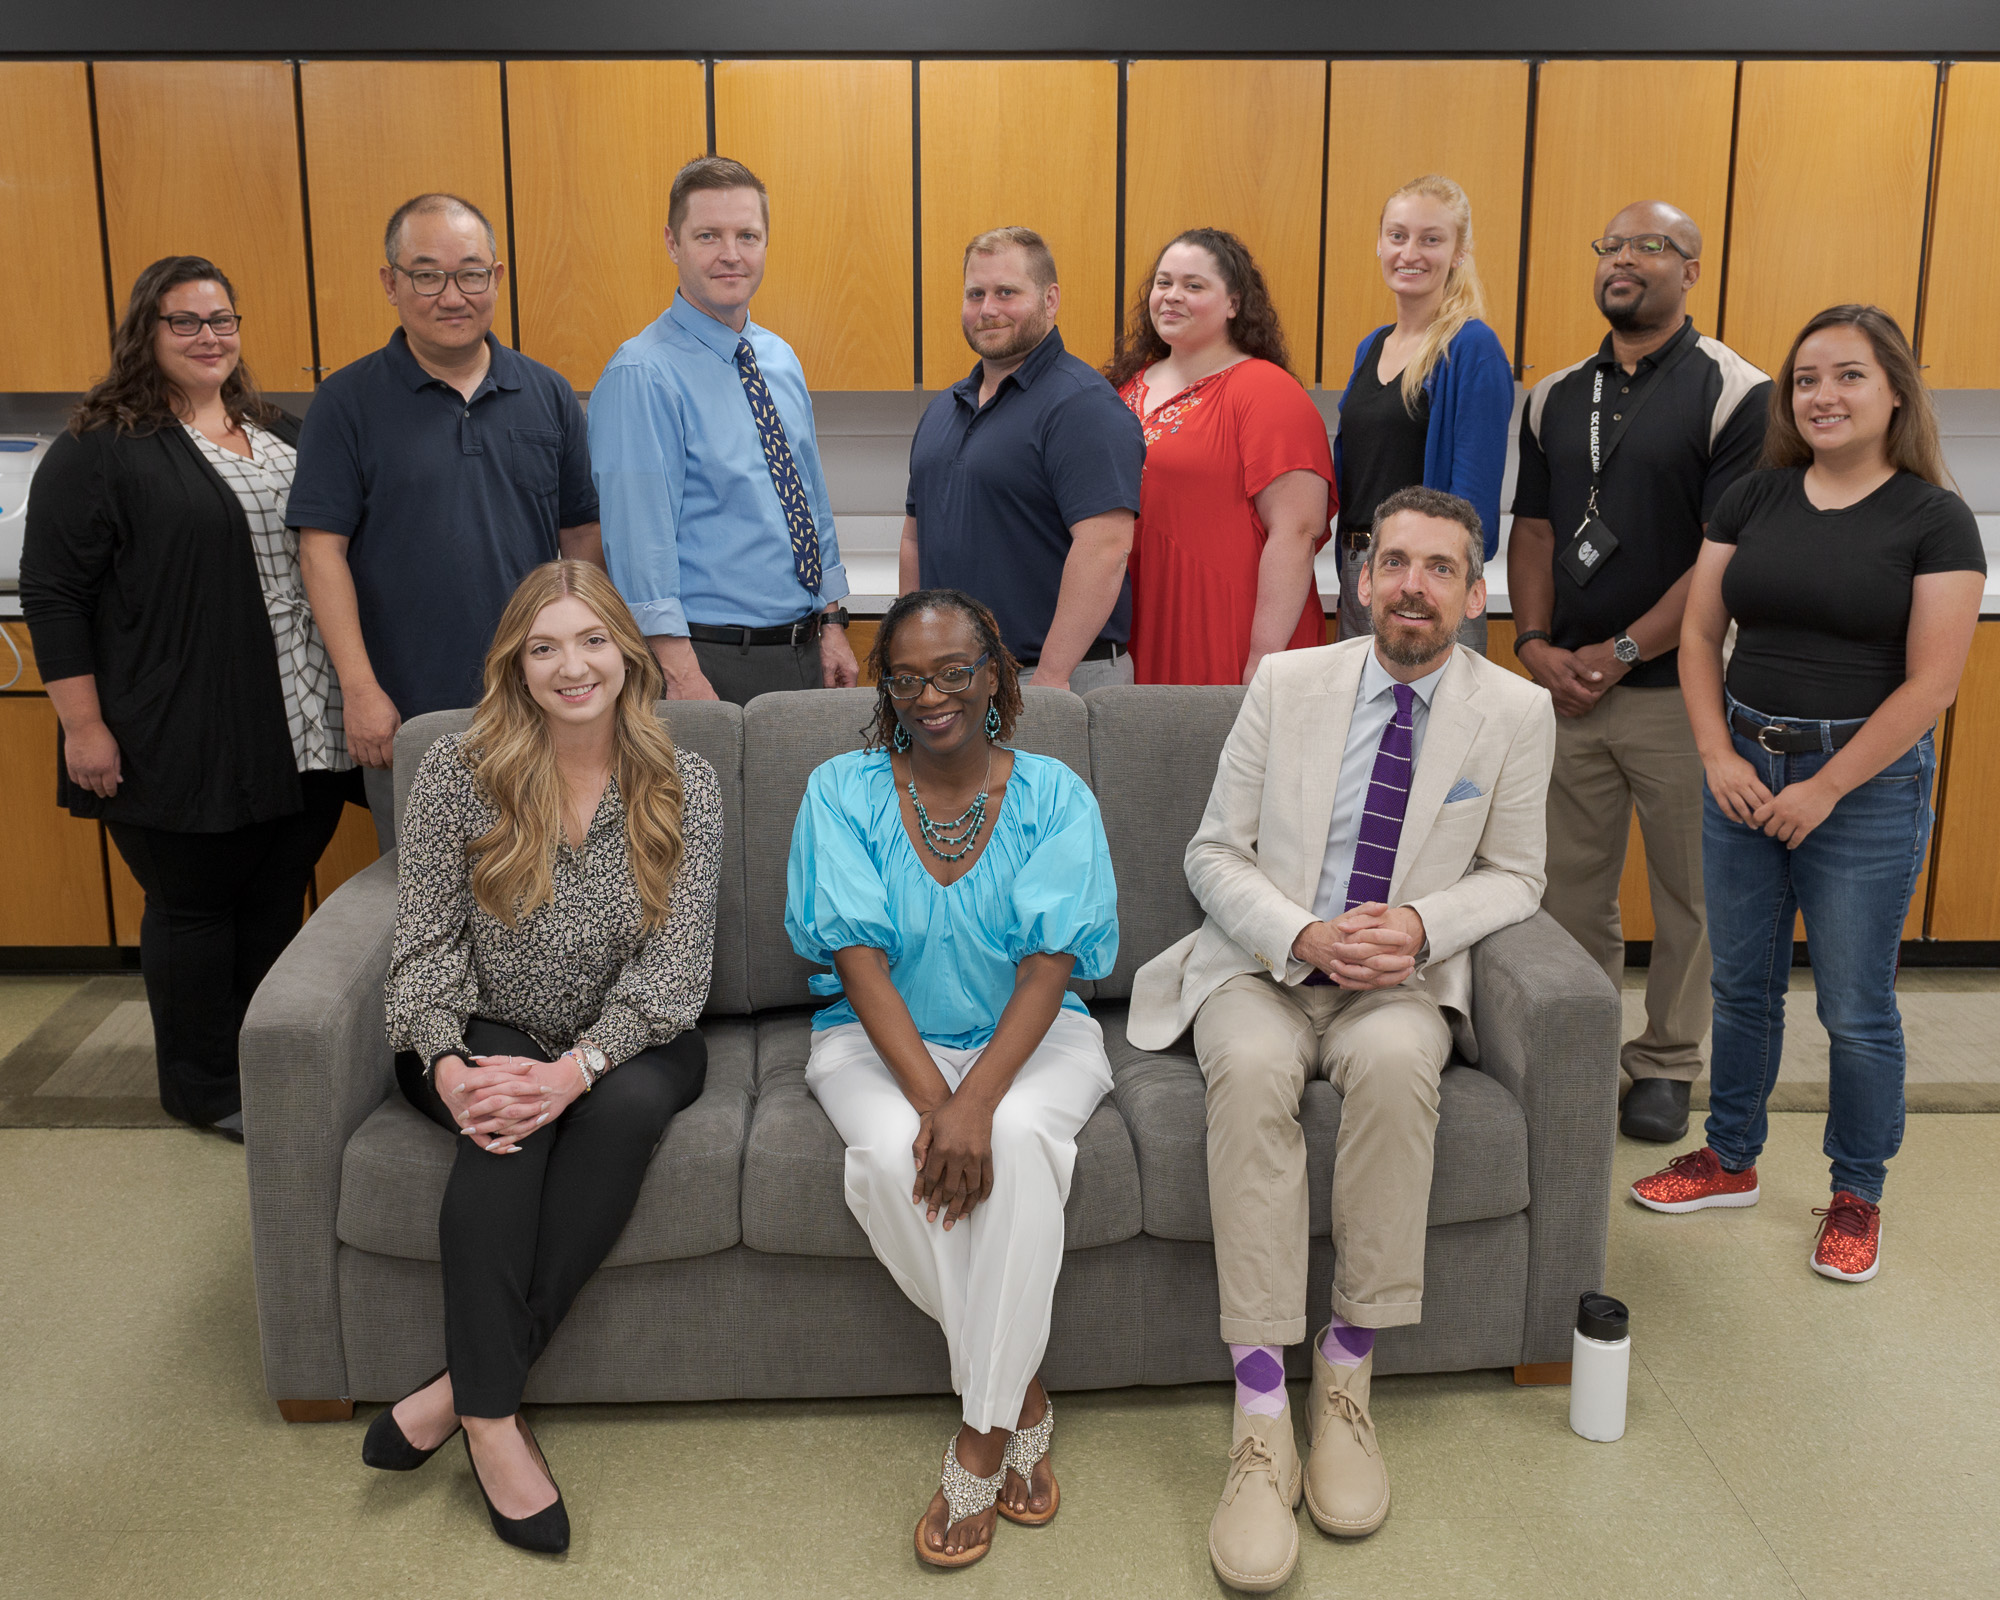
[{"x": 1852, "y": 877}]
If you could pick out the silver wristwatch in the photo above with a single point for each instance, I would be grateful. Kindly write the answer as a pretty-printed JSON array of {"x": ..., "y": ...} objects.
[
  {"x": 593, "y": 1062},
  {"x": 1625, "y": 648}
]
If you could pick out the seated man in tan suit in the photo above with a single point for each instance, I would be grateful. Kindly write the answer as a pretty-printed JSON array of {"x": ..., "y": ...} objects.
[{"x": 1378, "y": 809}]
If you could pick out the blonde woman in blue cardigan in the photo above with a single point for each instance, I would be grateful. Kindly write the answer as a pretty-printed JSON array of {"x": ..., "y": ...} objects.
[{"x": 1432, "y": 393}]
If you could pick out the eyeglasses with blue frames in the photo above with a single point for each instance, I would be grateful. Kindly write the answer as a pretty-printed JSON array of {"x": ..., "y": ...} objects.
[{"x": 946, "y": 680}]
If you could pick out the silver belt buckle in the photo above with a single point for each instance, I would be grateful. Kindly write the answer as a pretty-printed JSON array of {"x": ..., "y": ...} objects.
[{"x": 1764, "y": 738}]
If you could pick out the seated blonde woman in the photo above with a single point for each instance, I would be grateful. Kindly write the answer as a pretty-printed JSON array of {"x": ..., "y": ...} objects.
[
  {"x": 554, "y": 930},
  {"x": 958, "y": 1067}
]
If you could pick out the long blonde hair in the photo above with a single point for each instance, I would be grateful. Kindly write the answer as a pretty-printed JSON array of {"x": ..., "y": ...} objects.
[
  {"x": 509, "y": 750},
  {"x": 1463, "y": 298}
]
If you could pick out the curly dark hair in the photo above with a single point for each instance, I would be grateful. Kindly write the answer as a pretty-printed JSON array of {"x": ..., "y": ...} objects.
[
  {"x": 135, "y": 396},
  {"x": 1006, "y": 671},
  {"x": 1255, "y": 330}
]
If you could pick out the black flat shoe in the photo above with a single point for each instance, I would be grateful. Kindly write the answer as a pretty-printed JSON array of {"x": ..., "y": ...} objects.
[
  {"x": 546, "y": 1532},
  {"x": 1656, "y": 1109},
  {"x": 387, "y": 1448}
]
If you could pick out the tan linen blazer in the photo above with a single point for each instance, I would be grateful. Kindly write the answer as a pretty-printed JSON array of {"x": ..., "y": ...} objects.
[{"x": 1467, "y": 865}]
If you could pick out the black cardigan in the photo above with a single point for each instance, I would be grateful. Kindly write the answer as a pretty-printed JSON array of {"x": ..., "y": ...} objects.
[{"x": 138, "y": 570}]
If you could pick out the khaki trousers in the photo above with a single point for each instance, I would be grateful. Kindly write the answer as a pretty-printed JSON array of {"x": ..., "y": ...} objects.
[
  {"x": 1634, "y": 747},
  {"x": 1259, "y": 1044}
]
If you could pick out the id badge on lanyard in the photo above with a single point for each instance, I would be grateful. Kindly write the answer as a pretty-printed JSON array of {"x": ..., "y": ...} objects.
[{"x": 1593, "y": 543}]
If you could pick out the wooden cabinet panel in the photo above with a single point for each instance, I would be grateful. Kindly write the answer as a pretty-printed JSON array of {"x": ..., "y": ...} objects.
[
  {"x": 378, "y": 133},
  {"x": 52, "y": 892},
  {"x": 1593, "y": 158},
  {"x": 595, "y": 146},
  {"x": 48, "y": 213},
  {"x": 1238, "y": 145},
  {"x": 1397, "y": 120},
  {"x": 351, "y": 848},
  {"x": 1961, "y": 333},
  {"x": 28, "y": 676},
  {"x": 1019, "y": 143},
  {"x": 201, "y": 158},
  {"x": 1832, "y": 171},
  {"x": 831, "y": 140},
  {"x": 1966, "y": 904}
]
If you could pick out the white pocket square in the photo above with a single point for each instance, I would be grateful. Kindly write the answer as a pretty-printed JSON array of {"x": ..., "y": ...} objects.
[{"x": 1464, "y": 789}]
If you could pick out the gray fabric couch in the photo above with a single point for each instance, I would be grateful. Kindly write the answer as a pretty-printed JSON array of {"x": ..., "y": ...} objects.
[{"x": 742, "y": 1274}]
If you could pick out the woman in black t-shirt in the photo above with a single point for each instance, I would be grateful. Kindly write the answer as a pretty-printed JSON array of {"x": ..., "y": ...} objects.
[{"x": 1854, "y": 576}]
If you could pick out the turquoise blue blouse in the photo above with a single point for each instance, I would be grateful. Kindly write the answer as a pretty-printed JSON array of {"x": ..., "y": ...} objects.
[{"x": 1043, "y": 884}]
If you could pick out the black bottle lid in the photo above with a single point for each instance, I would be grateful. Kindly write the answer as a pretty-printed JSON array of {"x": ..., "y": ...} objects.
[{"x": 1598, "y": 1316}]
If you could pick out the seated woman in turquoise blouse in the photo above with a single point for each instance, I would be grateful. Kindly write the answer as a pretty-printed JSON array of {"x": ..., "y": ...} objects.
[{"x": 958, "y": 1067}]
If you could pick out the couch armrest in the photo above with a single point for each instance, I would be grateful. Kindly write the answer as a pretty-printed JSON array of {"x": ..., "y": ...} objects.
[
  {"x": 316, "y": 1061},
  {"x": 1549, "y": 1024}
]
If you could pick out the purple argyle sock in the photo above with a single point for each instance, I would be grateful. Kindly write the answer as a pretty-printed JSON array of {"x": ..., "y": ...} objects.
[
  {"x": 1260, "y": 1378},
  {"x": 1346, "y": 1345}
]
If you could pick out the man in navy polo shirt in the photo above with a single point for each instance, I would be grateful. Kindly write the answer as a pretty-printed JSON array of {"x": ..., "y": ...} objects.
[
  {"x": 433, "y": 476},
  {"x": 1024, "y": 478}
]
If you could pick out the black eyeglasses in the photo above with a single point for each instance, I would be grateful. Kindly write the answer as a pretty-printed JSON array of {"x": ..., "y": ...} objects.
[
  {"x": 946, "y": 680},
  {"x": 1643, "y": 244},
  {"x": 430, "y": 281},
  {"x": 187, "y": 324}
]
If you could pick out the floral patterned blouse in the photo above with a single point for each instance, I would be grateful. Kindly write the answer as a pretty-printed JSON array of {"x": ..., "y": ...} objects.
[{"x": 582, "y": 966}]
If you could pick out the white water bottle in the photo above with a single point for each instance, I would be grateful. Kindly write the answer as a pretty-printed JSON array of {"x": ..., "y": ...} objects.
[{"x": 1600, "y": 1364}]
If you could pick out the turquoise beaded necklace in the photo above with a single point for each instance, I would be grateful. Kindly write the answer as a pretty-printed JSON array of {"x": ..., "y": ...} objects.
[{"x": 953, "y": 840}]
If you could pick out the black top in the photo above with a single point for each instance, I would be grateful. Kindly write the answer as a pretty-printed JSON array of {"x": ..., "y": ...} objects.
[
  {"x": 1382, "y": 445},
  {"x": 1696, "y": 436},
  {"x": 1822, "y": 598},
  {"x": 996, "y": 489},
  {"x": 138, "y": 570},
  {"x": 447, "y": 504}
]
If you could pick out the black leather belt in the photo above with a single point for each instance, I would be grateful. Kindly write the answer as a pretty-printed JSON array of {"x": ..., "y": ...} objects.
[
  {"x": 1783, "y": 740},
  {"x": 1354, "y": 541},
  {"x": 795, "y": 634},
  {"x": 1103, "y": 650}
]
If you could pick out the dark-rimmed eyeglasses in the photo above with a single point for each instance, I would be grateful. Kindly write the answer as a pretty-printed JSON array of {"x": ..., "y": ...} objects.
[
  {"x": 187, "y": 324},
  {"x": 946, "y": 680},
  {"x": 1643, "y": 244},
  {"x": 430, "y": 281}
]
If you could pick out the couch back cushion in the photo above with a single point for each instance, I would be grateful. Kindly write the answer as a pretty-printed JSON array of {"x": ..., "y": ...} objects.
[
  {"x": 713, "y": 729},
  {"x": 785, "y": 737},
  {"x": 1153, "y": 752}
]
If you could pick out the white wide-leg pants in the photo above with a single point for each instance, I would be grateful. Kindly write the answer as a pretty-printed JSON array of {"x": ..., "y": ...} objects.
[{"x": 989, "y": 1282}]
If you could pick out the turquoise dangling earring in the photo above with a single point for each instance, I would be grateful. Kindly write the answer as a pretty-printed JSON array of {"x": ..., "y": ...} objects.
[
  {"x": 899, "y": 741},
  {"x": 992, "y": 722}
]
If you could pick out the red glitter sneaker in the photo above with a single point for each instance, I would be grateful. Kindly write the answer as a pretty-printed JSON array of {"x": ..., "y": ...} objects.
[
  {"x": 1850, "y": 1240},
  {"x": 1692, "y": 1181}
]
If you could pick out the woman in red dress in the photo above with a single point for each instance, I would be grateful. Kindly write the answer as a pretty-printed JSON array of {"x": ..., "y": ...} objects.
[{"x": 1238, "y": 484}]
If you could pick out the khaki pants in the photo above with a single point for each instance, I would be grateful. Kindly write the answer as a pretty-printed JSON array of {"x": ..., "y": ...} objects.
[
  {"x": 1635, "y": 747},
  {"x": 1259, "y": 1044}
]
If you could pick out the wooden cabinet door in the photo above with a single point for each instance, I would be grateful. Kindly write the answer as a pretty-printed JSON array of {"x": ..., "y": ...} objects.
[
  {"x": 48, "y": 214},
  {"x": 1961, "y": 334},
  {"x": 52, "y": 889},
  {"x": 1966, "y": 904}
]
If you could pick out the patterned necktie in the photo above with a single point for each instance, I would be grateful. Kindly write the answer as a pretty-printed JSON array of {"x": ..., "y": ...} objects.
[
  {"x": 784, "y": 471},
  {"x": 1382, "y": 815}
]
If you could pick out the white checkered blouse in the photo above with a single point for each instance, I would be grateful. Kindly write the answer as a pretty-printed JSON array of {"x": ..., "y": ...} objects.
[{"x": 263, "y": 484}]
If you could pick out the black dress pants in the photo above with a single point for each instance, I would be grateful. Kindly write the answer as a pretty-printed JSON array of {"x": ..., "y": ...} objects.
[
  {"x": 520, "y": 1235},
  {"x": 220, "y": 909}
]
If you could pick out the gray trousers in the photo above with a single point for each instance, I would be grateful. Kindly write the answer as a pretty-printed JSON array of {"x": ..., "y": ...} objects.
[
  {"x": 1355, "y": 621},
  {"x": 741, "y": 672},
  {"x": 1096, "y": 674}
]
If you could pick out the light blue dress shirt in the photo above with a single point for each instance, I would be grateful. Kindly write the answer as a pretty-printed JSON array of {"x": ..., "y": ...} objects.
[
  {"x": 1042, "y": 884},
  {"x": 1374, "y": 710},
  {"x": 693, "y": 531}
]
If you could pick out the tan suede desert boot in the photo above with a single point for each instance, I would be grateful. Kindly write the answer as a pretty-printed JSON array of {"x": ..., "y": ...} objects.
[
  {"x": 1347, "y": 1482},
  {"x": 1254, "y": 1538}
]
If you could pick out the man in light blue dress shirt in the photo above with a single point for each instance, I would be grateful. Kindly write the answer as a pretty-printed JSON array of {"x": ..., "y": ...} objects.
[{"x": 717, "y": 527}]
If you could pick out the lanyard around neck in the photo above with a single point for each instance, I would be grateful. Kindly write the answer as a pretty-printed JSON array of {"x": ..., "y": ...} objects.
[{"x": 1600, "y": 452}]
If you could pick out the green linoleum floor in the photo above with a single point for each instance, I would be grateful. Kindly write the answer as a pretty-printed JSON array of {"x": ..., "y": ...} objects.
[{"x": 1788, "y": 1436}]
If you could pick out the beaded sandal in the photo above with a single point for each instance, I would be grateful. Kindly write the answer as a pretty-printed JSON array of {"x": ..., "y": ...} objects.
[
  {"x": 964, "y": 1496},
  {"x": 1026, "y": 1450}
]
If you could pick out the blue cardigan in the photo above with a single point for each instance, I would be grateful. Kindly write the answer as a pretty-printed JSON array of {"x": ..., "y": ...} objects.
[{"x": 1472, "y": 402}]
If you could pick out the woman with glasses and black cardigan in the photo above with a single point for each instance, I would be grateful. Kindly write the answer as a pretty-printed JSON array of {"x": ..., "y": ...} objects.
[
  {"x": 200, "y": 715},
  {"x": 955, "y": 887}
]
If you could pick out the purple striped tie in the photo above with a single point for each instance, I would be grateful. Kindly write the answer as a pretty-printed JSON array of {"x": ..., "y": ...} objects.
[{"x": 1382, "y": 815}]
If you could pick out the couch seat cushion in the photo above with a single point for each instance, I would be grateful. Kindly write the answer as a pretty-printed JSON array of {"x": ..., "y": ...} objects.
[
  {"x": 393, "y": 1172},
  {"x": 1482, "y": 1140},
  {"x": 794, "y": 1189}
]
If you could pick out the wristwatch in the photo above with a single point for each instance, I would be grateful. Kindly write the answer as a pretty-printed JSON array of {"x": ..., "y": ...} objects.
[
  {"x": 1625, "y": 649},
  {"x": 836, "y": 617},
  {"x": 593, "y": 1062}
]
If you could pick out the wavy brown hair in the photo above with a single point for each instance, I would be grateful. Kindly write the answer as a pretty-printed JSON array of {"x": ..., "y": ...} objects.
[
  {"x": 1006, "y": 671},
  {"x": 1912, "y": 444},
  {"x": 509, "y": 750},
  {"x": 135, "y": 396},
  {"x": 1254, "y": 331}
]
